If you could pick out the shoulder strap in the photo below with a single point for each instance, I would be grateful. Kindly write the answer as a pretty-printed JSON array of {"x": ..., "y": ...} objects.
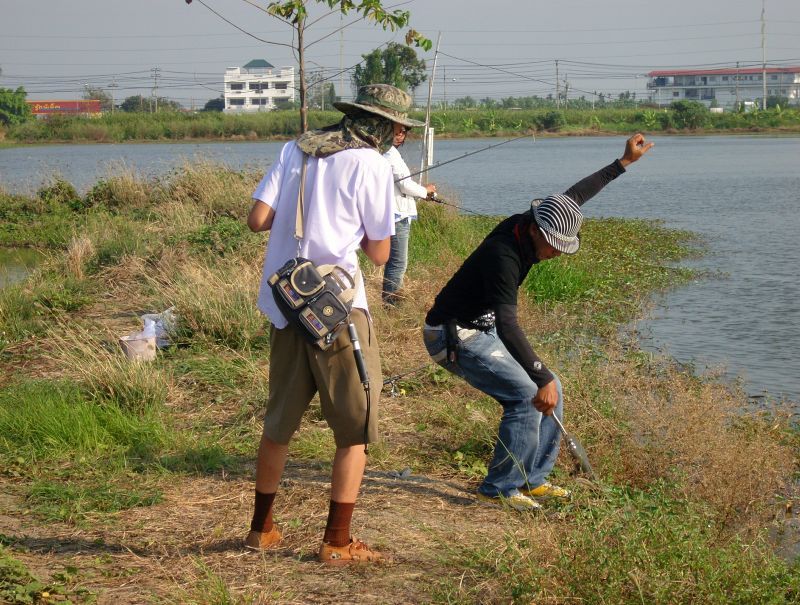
[
  {"x": 348, "y": 289},
  {"x": 300, "y": 217}
]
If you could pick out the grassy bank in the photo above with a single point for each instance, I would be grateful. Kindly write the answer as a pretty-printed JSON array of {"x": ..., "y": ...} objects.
[
  {"x": 123, "y": 483},
  {"x": 121, "y": 127}
]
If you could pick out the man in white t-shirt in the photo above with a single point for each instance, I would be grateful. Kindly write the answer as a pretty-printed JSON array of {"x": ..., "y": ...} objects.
[{"x": 347, "y": 204}]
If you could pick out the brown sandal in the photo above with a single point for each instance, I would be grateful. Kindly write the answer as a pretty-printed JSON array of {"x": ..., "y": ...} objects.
[
  {"x": 354, "y": 552},
  {"x": 259, "y": 540}
]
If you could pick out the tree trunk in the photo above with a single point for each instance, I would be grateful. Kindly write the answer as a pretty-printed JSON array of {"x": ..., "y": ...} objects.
[{"x": 302, "y": 75}]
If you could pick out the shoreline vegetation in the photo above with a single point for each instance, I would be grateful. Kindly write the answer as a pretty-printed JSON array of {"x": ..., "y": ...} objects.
[
  {"x": 686, "y": 118},
  {"x": 128, "y": 482}
]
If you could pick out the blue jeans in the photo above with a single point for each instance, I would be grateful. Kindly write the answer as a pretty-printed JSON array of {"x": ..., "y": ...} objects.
[
  {"x": 396, "y": 266},
  {"x": 527, "y": 441}
]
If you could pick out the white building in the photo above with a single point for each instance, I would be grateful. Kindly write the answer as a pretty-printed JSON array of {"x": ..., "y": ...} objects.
[
  {"x": 726, "y": 86},
  {"x": 257, "y": 86}
]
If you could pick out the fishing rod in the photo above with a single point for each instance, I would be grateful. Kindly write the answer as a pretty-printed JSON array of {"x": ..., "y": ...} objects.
[
  {"x": 392, "y": 380},
  {"x": 434, "y": 197},
  {"x": 466, "y": 155}
]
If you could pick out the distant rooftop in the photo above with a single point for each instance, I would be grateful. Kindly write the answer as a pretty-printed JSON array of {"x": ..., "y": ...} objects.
[
  {"x": 723, "y": 72},
  {"x": 259, "y": 64}
]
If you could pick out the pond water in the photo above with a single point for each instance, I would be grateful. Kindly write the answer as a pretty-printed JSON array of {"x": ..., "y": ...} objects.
[
  {"x": 15, "y": 264},
  {"x": 739, "y": 192}
]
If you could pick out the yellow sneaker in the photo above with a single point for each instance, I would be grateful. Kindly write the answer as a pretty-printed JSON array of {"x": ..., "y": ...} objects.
[
  {"x": 547, "y": 490},
  {"x": 516, "y": 501}
]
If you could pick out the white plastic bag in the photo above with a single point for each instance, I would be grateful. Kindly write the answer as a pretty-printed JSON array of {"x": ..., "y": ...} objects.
[{"x": 162, "y": 325}]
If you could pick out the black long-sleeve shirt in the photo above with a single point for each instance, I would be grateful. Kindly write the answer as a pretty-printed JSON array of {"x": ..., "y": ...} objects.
[{"x": 483, "y": 292}]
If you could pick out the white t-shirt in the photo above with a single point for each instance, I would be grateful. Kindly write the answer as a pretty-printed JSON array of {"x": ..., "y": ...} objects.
[
  {"x": 347, "y": 195},
  {"x": 405, "y": 190}
]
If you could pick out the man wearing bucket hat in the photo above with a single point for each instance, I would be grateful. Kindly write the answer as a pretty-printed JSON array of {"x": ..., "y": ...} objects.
[
  {"x": 472, "y": 330},
  {"x": 347, "y": 202}
]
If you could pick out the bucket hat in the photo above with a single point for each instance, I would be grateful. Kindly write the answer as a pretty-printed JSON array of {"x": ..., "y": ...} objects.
[
  {"x": 559, "y": 218},
  {"x": 383, "y": 100}
]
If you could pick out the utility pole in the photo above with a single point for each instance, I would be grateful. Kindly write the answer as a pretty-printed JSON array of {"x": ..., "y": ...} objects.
[
  {"x": 444, "y": 86},
  {"x": 737, "y": 86},
  {"x": 763, "y": 57},
  {"x": 155, "y": 71},
  {"x": 112, "y": 86},
  {"x": 594, "y": 96},
  {"x": 425, "y": 135},
  {"x": 341, "y": 55},
  {"x": 558, "y": 91},
  {"x": 566, "y": 89}
]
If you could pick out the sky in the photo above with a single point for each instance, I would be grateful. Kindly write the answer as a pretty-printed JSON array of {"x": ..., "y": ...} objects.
[{"x": 497, "y": 48}]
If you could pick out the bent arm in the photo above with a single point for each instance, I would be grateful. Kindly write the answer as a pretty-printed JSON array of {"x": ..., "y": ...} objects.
[
  {"x": 585, "y": 189},
  {"x": 376, "y": 250},
  {"x": 409, "y": 187},
  {"x": 260, "y": 217},
  {"x": 512, "y": 336},
  {"x": 401, "y": 175}
]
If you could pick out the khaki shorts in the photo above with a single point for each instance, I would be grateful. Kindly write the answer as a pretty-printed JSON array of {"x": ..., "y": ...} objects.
[{"x": 298, "y": 370}]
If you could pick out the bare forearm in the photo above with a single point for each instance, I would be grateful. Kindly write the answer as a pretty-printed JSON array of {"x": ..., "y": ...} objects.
[{"x": 376, "y": 250}]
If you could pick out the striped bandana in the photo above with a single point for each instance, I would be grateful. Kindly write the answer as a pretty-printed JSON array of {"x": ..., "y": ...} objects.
[{"x": 559, "y": 219}]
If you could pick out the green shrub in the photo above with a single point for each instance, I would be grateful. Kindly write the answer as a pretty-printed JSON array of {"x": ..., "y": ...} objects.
[
  {"x": 222, "y": 236},
  {"x": 553, "y": 120},
  {"x": 689, "y": 114},
  {"x": 61, "y": 193}
]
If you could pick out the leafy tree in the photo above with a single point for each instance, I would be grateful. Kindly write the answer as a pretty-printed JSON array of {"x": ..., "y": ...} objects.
[
  {"x": 321, "y": 93},
  {"x": 295, "y": 14},
  {"x": 217, "y": 104},
  {"x": 149, "y": 104},
  {"x": 98, "y": 94},
  {"x": 775, "y": 101},
  {"x": 689, "y": 114},
  {"x": 465, "y": 102},
  {"x": 135, "y": 103},
  {"x": 553, "y": 120},
  {"x": 13, "y": 108},
  {"x": 396, "y": 64}
]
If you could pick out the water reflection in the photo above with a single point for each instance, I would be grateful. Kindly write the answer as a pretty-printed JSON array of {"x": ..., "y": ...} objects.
[{"x": 16, "y": 263}]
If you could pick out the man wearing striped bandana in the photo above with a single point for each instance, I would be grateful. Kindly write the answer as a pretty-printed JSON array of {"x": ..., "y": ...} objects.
[{"x": 473, "y": 331}]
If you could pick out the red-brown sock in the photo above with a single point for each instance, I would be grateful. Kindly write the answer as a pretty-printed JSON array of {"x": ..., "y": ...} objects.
[
  {"x": 262, "y": 512},
  {"x": 337, "y": 531}
]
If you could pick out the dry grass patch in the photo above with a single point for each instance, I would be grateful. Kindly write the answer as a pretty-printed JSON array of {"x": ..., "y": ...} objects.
[
  {"x": 99, "y": 364},
  {"x": 79, "y": 252},
  {"x": 214, "y": 188}
]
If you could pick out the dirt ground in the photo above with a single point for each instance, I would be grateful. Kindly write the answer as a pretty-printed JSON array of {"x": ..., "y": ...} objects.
[{"x": 168, "y": 552}]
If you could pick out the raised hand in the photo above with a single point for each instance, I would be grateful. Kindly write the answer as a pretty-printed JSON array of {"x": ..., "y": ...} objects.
[{"x": 635, "y": 147}]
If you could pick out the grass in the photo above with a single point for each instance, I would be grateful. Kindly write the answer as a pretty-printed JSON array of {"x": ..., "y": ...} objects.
[
  {"x": 167, "y": 126},
  {"x": 120, "y": 452},
  {"x": 74, "y": 503},
  {"x": 624, "y": 546},
  {"x": 18, "y": 586},
  {"x": 55, "y": 420}
]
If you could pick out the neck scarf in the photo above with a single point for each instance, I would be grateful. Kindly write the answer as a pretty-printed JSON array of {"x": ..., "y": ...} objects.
[{"x": 357, "y": 131}]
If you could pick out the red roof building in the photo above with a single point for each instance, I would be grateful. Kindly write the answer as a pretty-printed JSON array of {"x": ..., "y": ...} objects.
[{"x": 727, "y": 87}]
